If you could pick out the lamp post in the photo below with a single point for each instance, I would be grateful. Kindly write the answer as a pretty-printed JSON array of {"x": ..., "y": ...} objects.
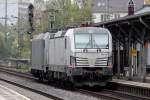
[
  {"x": 5, "y": 19},
  {"x": 51, "y": 17},
  {"x": 51, "y": 20}
]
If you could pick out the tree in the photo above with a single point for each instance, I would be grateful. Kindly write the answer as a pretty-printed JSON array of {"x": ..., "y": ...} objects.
[
  {"x": 2, "y": 44},
  {"x": 40, "y": 17},
  {"x": 25, "y": 51},
  {"x": 68, "y": 13},
  {"x": 6, "y": 41},
  {"x": 86, "y": 10}
]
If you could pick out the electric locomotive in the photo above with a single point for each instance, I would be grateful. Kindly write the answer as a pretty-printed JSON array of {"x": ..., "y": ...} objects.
[{"x": 81, "y": 56}]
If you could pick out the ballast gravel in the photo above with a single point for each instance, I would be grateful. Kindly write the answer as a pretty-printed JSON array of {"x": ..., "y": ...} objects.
[{"x": 61, "y": 93}]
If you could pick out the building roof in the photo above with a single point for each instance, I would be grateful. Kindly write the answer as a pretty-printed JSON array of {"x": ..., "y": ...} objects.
[
  {"x": 145, "y": 8},
  {"x": 136, "y": 25},
  {"x": 114, "y": 5},
  {"x": 123, "y": 19}
]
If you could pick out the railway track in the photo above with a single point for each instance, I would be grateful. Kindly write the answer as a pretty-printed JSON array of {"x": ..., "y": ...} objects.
[
  {"x": 104, "y": 94},
  {"x": 113, "y": 95},
  {"x": 17, "y": 73},
  {"x": 125, "y": 95},
  {"x": 99, "y": 95},
  {"x": 23, "y": 86}
]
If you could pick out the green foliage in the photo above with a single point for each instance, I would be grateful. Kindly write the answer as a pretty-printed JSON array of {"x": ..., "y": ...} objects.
[
  {"x": 7, "y": 42},
  {"x": 2, "y": 45},
  {"x": 43, "y": 26},
  {"x": 25, "y": 50},
  {"x": 3, "y": 50},
  {"x": 67, "y": 13}
]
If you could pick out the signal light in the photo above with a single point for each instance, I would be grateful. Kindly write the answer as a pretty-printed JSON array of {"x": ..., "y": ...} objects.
[{"x": 31, "y": 15}]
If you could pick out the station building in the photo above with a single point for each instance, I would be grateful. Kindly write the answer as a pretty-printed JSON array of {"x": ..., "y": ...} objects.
[
  {"x": 104, "y": 10},
  {"x": 146, "y": 8},
  {"x": 131, "y": 42}
]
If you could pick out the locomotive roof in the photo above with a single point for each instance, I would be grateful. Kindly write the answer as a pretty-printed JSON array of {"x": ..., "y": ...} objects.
[
  {"x": 58, "y": 34},
  {"x": 77, "y": 30},
  {"x": 46, "y": 35},
  {"x": 41, "y": 36},
  {"x": 89, "y": 30}
]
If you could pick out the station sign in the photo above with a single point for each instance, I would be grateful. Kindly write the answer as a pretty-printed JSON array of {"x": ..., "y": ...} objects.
[{"x": 134, "y": 52}]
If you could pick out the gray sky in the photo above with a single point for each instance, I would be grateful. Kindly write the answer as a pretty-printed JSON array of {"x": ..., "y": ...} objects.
[
  {"x": 9, "y": 1},
  {"x": 12, "y": 11}
]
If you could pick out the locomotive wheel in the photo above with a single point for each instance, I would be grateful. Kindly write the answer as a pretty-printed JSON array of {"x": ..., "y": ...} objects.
[
  {"x": 70, "y": 86},
  {"x": 50, "y": 77},
  {"x": 41, "y": 76},
  {"x": 41, "y": 79},
  {"x": 60, "y": 83}
]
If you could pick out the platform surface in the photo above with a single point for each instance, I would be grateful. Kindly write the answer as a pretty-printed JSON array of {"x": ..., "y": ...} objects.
[
  {"x": 9, "y": 94},
  {"x": 132, "y": 83}
]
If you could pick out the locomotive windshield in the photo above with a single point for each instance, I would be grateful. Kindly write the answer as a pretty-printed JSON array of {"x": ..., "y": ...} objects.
[
  {"x": 100, "y": 40},
  {"x": 91, "y": 40},
  {"x": 83, "y": 40}
]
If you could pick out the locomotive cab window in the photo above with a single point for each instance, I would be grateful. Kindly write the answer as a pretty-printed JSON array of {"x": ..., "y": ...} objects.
[
  {"x": 91, "y": 40},
  {"x": 100, "y": 40},
  {"x": 83, "y": 40}
]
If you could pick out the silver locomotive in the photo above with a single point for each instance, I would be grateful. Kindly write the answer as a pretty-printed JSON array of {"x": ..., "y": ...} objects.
[{"x": 81, "y": 56}]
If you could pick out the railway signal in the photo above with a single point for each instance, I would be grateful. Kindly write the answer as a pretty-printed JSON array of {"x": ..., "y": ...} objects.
[{"x": 30, "y": 19}]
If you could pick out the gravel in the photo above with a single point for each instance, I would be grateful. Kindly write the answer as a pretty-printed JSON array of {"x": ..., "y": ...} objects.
[
  {"x": 26, "y": 93},
  {"x": 65, "y": 94}
]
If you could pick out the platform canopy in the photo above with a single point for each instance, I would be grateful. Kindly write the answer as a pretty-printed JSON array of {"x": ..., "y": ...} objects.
[{"x": 136, "y": 27}]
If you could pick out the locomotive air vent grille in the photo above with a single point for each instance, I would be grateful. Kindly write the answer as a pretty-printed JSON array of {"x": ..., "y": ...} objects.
[
  {"x": 82, "y": 61},
  {"x": 101, "y": 61}
]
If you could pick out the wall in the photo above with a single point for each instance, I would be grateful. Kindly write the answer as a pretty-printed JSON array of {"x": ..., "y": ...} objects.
[{"x": 97, "y": 17}]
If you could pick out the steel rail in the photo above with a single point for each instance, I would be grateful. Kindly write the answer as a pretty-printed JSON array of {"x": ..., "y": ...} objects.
[
  {"x": 113, "y": 95},
  {"x": 125, "y": 95},
  {"x": 105, "y": 94},
  {"x": 28, "y": 76},
  {"x": 99, "y": 95},
  {"x": 15, "y": 73}
]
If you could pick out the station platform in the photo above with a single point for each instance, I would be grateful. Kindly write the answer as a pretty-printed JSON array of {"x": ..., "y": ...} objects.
[
  {"x": 132, "y": 83},
  {"x": 9, "y": 94}
]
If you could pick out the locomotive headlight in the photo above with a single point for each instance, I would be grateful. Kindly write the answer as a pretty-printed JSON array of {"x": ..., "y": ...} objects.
[{"x": 109, "y": 64}]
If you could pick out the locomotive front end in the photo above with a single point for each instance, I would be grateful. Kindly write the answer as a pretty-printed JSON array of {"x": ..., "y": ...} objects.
[{"x": 91, "y": 61}]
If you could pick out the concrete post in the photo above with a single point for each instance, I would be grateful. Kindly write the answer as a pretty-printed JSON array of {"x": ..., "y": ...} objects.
[
  {"x": 6, "y": 19},
  {"x": 144, "y": 63},
  {"x": 118, "y": 59},
  {"x": 144, "y": 56},
  {"x": 134, "y": 60},
  {"x": 130, "y": 57},
  {"x": 140, "y": 62}
]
